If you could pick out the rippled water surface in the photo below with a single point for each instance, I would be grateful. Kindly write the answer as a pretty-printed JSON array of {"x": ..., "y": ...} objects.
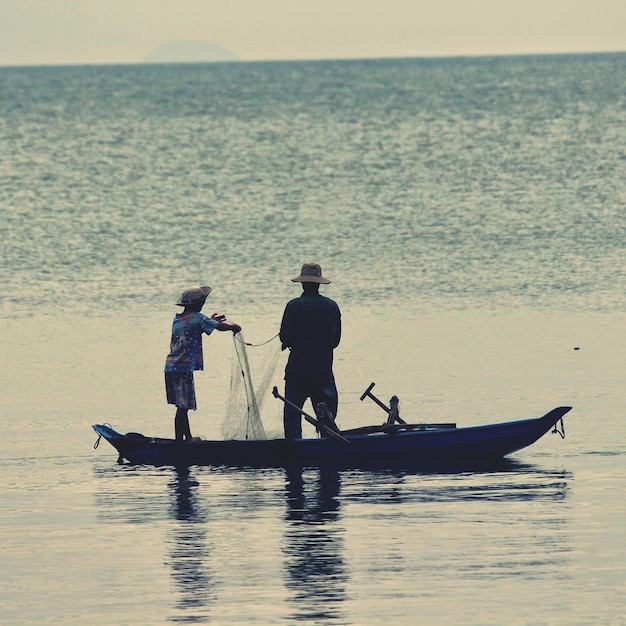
[{"x": 470, "y": 215}]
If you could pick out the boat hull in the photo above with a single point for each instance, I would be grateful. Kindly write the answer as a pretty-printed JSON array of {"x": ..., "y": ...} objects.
[{"x": 456, "y": 447}]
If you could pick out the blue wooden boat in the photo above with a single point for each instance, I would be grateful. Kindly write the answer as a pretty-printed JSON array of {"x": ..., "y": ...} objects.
[{"x": 388, "y": 446}]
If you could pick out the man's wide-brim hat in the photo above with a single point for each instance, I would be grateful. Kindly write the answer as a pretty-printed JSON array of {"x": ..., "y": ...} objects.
[
  {"x": 311, "y": 273},
  {"x": 194, "y": 295}
]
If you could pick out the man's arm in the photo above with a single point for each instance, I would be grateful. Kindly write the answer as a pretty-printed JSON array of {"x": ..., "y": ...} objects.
[
  {"x": 287, "y": 331},
  {"x": 338, "y": 330}
]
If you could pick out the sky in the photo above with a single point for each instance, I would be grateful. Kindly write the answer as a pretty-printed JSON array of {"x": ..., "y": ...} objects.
[{"x": 77, "y": 32}]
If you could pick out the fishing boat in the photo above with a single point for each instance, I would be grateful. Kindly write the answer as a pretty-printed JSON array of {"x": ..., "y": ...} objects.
[{"x": 390, "y": 445}]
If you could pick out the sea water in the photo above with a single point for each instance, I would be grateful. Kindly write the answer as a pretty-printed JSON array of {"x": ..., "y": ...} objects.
[{"x": 470, "y": 214}]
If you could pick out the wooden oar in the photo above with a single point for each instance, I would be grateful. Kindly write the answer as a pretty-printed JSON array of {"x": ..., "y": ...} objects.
[{"x": 322, "y": 427}]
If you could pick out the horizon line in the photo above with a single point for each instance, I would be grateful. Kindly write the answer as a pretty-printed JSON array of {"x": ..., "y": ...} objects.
[{"x": 317, "y": 60}]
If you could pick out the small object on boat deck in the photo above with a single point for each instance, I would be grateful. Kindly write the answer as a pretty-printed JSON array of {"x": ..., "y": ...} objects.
[
  {"x": 325, "y": 416},
  {"x": 368, "y": 394},
  {"x": 394, "y": 412}
]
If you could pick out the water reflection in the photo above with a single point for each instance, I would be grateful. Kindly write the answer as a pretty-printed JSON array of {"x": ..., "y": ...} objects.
[
  {"x": 189, "y": 551},
  {"x": 509, "y": 523},
  {"x": 133, "y": 494},
  {"x": 313, "y": 548},
  {"x": 508, "y": 482},
  {"x": 490, "y": 525}
]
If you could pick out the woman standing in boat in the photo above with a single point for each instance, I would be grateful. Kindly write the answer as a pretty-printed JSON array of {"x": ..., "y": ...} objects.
[
  {"x": 186, "y": 354},
  {"x": 311, "y": 329}
]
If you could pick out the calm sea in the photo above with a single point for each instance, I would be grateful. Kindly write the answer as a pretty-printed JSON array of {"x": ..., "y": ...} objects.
[{"x": 471, "y": 215}]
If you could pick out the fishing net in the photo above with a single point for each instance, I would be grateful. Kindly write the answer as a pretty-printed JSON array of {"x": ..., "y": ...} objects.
[{"x": 245, "y": 401}]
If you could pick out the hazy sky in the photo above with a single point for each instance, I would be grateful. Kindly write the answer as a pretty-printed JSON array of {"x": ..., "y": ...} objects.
[{"x": 125, "y": 31}]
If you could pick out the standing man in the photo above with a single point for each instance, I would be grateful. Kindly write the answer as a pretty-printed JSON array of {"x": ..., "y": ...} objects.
[{"x": 311, "y": 329}]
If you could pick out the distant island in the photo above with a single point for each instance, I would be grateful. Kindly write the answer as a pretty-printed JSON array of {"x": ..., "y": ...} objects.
[{"x": 190, "y": 52}]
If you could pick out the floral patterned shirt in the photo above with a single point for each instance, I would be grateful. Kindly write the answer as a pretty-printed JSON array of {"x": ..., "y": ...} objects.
[{"x": 186, "y": 344}]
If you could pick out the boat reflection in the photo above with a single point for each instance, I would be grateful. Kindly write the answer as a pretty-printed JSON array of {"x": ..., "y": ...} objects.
[
  {"x": 506, "y": 521},
  {"x": 313, "y": 549},
  {"x": 507, "y": 481}
]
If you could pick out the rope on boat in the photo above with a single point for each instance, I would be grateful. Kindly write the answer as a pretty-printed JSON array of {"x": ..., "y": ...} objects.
[
  {"x": 255, "y": 345},
  {"x": 95, "y": 445},
  {"x": 561, "y": 431}
]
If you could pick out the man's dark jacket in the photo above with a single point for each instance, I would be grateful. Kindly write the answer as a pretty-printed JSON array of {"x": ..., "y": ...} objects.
[{"x": 311, "y": 327}]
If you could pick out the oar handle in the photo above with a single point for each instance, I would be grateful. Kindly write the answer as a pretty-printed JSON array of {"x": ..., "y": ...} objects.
[{"x": 368, "y": 394}]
